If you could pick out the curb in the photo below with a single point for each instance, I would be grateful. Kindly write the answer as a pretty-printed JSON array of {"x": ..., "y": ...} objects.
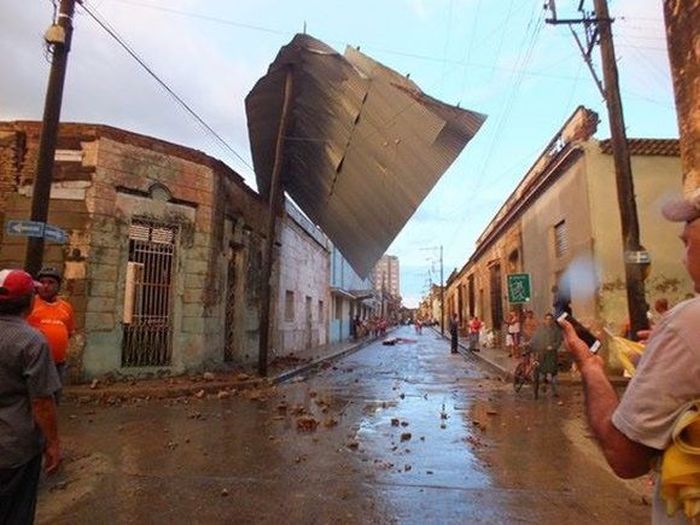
[
  {"x": 464, "y": 351},
  {"x": 83, "y": 393},
  {"x": 316, "y": 363},
  {"x": 507, "y": 375}
]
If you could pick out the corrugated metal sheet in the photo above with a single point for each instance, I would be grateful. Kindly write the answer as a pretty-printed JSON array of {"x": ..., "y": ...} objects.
[{"x": 365, "y": 144}]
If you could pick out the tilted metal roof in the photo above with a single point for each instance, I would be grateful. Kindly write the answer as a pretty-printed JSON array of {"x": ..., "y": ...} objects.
[{"x": 364, "y": 145}]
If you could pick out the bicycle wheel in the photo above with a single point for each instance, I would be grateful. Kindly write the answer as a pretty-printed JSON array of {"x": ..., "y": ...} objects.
[
  {"x": 519, "y": 377},
  {"x": 536, "y": 380}
]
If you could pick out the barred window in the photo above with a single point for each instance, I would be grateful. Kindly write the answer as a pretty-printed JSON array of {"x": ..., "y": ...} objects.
[{"x": 561, "y": 239}]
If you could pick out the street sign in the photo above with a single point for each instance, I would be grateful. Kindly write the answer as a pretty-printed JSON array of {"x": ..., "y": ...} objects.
[
  {"x": 519, "y": 288},
  {"x": 25, "y": 228},
  {"x": 55, "y": 234},
  {"x": 36, "y": 229}
]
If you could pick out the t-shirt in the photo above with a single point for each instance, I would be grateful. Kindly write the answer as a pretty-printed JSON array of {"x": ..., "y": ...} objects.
[
  {"x": 54, "y": 320},
  {"x": 26, "y": 371},
  {"x": 667, "y": 379},
  {"x": 514, "y": 327},
  {"x": 474, "y": 326}
]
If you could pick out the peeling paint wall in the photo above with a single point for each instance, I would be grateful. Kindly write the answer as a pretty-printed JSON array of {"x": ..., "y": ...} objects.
[
  {"x": 655, "y": 177},
  {"x": 107, "y": 179}
]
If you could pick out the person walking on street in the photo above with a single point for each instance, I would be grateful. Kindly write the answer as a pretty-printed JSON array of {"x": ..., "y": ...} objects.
[
  {"x": 28, "y": 382},
  {"x": 513, "y": 336},
  {"x": 53, "y": 317},
  {"x": 474, "y": 333},
  {"x": 545, "y": 343},
  {"x": 454, "y": 333},
  {"x": 634, "y": 431}
]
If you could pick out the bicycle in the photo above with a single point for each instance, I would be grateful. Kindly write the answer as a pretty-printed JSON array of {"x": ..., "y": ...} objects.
[{"x": 527, "y": 371}]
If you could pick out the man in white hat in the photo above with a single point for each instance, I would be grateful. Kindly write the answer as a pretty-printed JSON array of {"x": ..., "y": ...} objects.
[{"x": 634, "y": 431}]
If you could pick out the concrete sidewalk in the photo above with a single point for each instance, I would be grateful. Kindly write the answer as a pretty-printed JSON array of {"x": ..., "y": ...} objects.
[
  {"x": 282, "y": 369},
  {"x": 498, "y": 361}
]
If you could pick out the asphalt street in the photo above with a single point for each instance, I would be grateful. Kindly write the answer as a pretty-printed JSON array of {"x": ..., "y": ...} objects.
[{"x": 391, "y": 434}]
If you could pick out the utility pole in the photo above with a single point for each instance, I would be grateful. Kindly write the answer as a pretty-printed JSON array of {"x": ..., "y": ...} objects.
[
  {"x": 275, "y": 206},
  {"x": 598, "y": 30},
  {"x": 442, "y": 288},
  {"x": 59, "y": 37}
]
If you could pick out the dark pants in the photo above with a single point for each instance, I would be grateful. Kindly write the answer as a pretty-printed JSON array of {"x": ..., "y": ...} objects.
[
  {"x": 18, "y": 487},
  {"x": 455, "y": 340}
]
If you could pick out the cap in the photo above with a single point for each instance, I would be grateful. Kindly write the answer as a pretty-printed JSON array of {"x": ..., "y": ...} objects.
[
  {"x": 49, "y": 272},
  {"x": 685, "y": 209},
  {"x": 15, "y": 284}
]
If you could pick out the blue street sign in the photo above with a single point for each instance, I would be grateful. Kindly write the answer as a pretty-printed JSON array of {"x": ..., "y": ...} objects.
[
  {"x": 25, "y": 228},
  {"x": 55, "y": 234}
]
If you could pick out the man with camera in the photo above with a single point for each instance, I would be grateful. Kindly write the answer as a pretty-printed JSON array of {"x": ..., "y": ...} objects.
[{"x": 634, "y": 431}]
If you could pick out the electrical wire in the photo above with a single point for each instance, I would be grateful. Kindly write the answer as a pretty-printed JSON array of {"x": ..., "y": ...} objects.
[
  {"x": 184, "y": 105},
  {"x": 531, "y": 34}
]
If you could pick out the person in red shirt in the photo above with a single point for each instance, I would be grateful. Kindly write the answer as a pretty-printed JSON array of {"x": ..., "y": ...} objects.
[
  {"x": 53, "y": 317},
  {"x": 474, "y": 331}
]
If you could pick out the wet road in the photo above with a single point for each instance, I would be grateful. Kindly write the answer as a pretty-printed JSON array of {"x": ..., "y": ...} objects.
[{"x": 406, "y": 434}]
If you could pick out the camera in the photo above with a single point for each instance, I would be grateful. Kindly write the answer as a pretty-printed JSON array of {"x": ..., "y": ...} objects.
[{"x": 586, "y": 336}]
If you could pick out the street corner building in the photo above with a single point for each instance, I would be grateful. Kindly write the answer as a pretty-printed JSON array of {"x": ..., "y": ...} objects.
[
  {"x": 163, "y": 258},
  {"x": 561, "y": 225}
]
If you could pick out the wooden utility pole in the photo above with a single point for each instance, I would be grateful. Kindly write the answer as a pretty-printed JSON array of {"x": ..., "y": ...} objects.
[
  {"x": 634, "y": 276},
  {"x": 59, "y": 38},
  {"x": 275, "y": 206},
  {"x": 598, "y": 29}
]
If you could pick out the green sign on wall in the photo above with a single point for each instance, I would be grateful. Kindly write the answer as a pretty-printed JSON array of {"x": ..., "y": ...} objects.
[{"x": 519, "y": 288}]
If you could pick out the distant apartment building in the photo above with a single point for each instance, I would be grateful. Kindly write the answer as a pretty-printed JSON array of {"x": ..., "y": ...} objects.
[{"x": 386, "y": 275}]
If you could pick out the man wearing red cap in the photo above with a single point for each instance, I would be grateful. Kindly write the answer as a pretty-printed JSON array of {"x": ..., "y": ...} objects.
[
  {"x": 634, "y": 431},
  {"x": 28, "y": 382}
]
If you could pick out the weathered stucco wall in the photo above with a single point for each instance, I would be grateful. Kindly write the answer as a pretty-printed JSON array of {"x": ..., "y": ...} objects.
[
  {"x": 304, "y": 270},
  {"x": 654, "y": 178},
  {"x": 112, "y": 178},
  {"x": 565, "y": 200}
]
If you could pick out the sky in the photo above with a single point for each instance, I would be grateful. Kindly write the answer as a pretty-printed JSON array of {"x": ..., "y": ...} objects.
[{"x": 497, "y": 57}]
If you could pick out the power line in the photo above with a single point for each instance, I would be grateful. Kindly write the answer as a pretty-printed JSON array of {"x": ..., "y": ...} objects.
[
  {"x": 405, "y": 54},
  {"x": 113, "y": 33}
]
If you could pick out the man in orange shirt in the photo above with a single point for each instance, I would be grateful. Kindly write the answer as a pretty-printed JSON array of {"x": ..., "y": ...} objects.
[{"x": 53, "y": 317}]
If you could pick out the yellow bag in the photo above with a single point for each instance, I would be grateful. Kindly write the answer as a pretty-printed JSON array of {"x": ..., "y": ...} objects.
[
  {"x": 680, "y": 465},
  {"x": 626, "y": 352}
]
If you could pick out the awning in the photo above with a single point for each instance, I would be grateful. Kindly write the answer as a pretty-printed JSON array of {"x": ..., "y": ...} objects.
[{"x": 364, "y": 147}]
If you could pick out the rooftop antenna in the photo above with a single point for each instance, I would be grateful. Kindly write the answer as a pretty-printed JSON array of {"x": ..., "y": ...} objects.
[{"x": 304, "y": 26}]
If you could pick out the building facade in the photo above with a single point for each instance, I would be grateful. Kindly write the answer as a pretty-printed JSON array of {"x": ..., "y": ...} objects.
[
  {"x": 303, "y": 294},
  {"x": 163, "y": 262},
  {"x": 386, "y": 275},
  {"x": 351, "y": 297},
  {"x": 561, "y": 226}
]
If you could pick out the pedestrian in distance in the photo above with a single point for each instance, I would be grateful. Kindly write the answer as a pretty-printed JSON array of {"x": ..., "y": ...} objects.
[
  {"x": 454, "y": 333},
  {"x": 546, "y": 342},
  {"x": 28, "y": 382},
  {"x": 513, "y": 334},
  {"x": 475, "y": 326},
  {"x": 54, "y": 318},
  {"x": 642, "y": 428}
]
